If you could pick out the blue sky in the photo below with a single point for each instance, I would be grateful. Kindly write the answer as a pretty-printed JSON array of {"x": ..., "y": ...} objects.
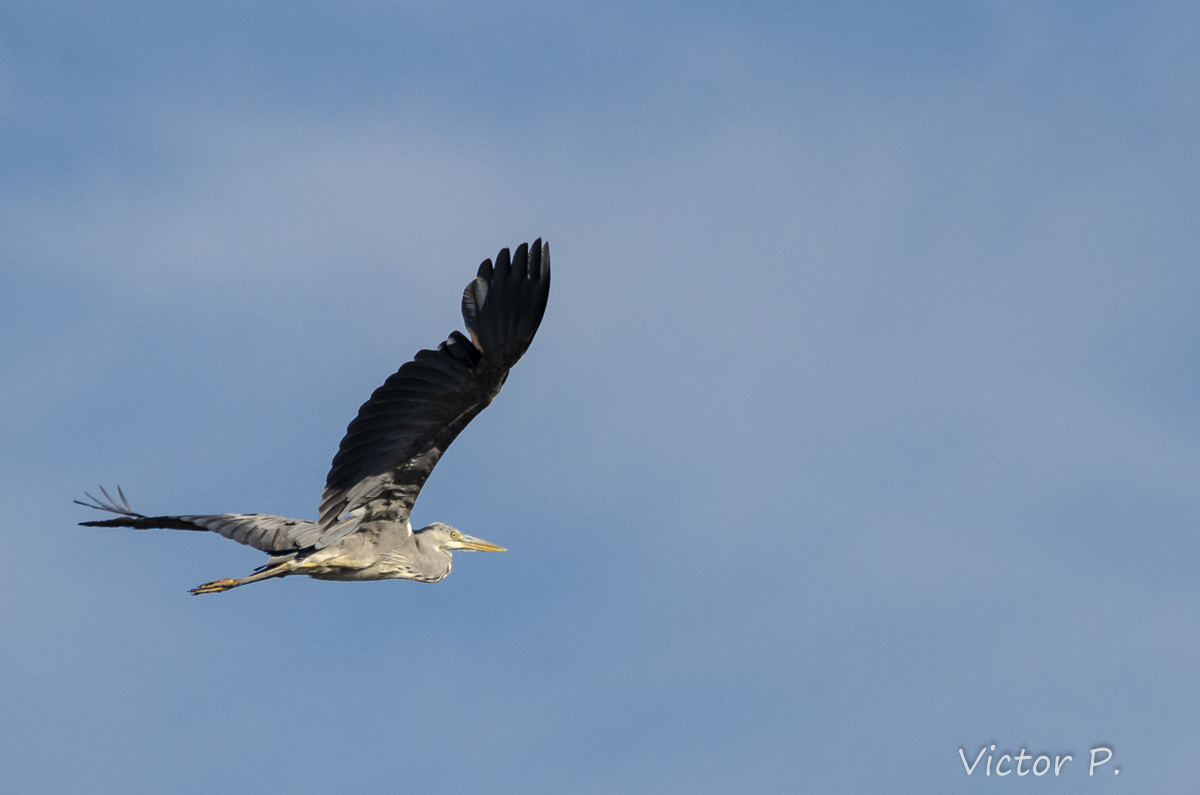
[{"x": 861, "y": 427}]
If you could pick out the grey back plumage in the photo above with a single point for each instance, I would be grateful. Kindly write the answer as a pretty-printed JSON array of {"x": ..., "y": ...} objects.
[{"x": 401, "y": 432}]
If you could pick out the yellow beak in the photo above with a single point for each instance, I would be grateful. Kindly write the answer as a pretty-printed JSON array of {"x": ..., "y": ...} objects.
[{"x": 479, "y": 545}]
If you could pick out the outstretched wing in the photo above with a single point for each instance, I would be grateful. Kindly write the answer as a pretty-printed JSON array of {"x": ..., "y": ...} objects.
[
  {"x": 394, "y": 443},
  {"x": 273, "y": 534}
]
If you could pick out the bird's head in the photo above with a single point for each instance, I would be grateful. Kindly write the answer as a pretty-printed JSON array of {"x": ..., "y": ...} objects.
[{"x": 448, "y": 538}]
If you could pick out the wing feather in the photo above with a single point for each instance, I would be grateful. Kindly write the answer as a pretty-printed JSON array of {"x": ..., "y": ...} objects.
[
  {"x": 400, "y": 433},
  {"x": 273, "y": 534}
]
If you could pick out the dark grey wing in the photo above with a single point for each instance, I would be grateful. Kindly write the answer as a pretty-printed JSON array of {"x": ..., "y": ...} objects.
[
  {"x": 399, "y": 435},
  {"x": 274, "y": 534}
]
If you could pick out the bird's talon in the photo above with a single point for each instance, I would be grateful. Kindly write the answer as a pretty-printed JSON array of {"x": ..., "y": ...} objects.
[{"x": 216, "y": 586}]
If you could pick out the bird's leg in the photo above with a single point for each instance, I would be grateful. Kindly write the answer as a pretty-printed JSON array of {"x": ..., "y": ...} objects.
[{"x": 216, "y": 586}]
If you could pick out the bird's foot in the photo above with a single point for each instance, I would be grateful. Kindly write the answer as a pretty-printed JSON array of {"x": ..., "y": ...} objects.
[{"x": 216, "y": 586}]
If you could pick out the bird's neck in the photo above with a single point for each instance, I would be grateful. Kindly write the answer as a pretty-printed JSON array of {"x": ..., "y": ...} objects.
[{"x": 435, "y": 561}]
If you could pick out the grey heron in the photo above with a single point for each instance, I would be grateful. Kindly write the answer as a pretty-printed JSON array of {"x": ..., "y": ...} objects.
[{"x": 389, "y": 450}]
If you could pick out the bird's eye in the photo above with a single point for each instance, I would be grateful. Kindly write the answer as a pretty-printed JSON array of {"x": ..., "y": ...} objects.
[{"x": 455, "y": 535}]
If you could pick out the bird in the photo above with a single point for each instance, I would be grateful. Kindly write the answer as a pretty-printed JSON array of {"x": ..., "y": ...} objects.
[{"x": 363, "y": 530}]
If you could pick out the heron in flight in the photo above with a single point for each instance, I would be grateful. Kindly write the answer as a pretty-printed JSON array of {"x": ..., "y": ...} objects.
[{"x": 390, "y": 449}]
